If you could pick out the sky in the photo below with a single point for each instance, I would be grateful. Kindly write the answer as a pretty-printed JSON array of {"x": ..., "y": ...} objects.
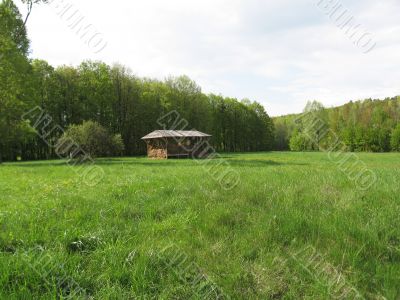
[{"x": 280, "y": 53}]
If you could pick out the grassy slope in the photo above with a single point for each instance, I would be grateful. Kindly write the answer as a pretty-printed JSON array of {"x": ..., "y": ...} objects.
[{"x": 108, "y": 238}]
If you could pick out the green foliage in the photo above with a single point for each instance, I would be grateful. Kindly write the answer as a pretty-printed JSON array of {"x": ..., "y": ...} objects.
[
  {"x": 16, "y": 90},
  {"x": 108, "y": 239},
  {"x": 93, "y": 139},
  {"x": 131, "y": 107},
  {"x": 395, "y": 139},
  {"x": 362, "y": 126},
  {"x": 309, "y": 128},
  {"x": 12, "y": 27},
  {"x": 112, "y": 97},
  {"x": 299, "y": 142}
]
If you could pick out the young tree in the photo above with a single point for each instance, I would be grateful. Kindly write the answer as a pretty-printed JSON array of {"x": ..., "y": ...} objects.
[
  {"x": 298, "y": 142},
  {"x": 395, "y": 139},
  {"x": 315, "y": 124},
  {"x": 309, "y": 128}
]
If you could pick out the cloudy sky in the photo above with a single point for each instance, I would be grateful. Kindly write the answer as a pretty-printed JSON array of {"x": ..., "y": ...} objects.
[{"x": 281, "y": 53}]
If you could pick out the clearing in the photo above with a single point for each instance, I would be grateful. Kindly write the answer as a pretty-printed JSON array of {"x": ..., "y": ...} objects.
[{"x": 294, "y": 227}]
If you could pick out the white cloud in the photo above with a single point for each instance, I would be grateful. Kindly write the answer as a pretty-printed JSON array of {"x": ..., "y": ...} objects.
[{"x": 279, "y": 53}]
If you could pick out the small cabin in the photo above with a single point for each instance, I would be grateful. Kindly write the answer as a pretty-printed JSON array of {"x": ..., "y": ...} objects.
[{"x": 164, "y": 144}]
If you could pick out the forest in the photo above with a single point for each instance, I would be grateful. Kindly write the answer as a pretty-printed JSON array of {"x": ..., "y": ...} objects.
[
  {"x": 112, "y": 96},
  {"x": 128, "y": 105},
  {"x": 362, "y": 126}
]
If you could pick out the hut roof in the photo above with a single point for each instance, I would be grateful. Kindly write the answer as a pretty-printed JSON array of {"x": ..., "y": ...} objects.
[{"x": 174, "y": 134}]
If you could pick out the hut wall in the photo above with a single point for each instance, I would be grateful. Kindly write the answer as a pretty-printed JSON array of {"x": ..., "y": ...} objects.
[
  {"x": 156, "y": 152},
  {"x": 189, "y": 147}
]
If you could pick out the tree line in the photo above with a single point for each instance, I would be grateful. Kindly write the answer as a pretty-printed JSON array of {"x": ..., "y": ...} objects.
[
  {"x": 367, "y": 125},
  {"x": 129, "y": 107},
  {"x": 111, "y": 96}
]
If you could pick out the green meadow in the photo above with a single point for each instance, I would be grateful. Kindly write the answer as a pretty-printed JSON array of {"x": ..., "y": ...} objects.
[{"x": 295, "y": 227}]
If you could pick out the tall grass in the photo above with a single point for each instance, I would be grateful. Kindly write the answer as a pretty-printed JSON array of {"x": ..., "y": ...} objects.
[{"x": 108, "y": 240}]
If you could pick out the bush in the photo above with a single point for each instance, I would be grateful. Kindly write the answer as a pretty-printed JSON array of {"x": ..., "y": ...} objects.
[
  {"x": 299, "y": 142},
  {"x": 395, "y": 139},
  {"x": 92, "y": 138}
]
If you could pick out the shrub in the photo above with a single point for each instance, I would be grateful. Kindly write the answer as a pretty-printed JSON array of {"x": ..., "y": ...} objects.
[{"x": 92, "y": 138}]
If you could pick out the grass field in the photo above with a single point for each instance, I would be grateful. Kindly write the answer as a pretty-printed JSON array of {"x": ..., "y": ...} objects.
[{"x": 295, "y": 227}]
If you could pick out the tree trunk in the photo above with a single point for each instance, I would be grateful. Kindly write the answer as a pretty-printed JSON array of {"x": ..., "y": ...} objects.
[{"x": 30, "y": 4}]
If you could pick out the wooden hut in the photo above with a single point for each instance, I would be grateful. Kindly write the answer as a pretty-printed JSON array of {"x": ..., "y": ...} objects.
[{"x": 164, "y": 144}]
